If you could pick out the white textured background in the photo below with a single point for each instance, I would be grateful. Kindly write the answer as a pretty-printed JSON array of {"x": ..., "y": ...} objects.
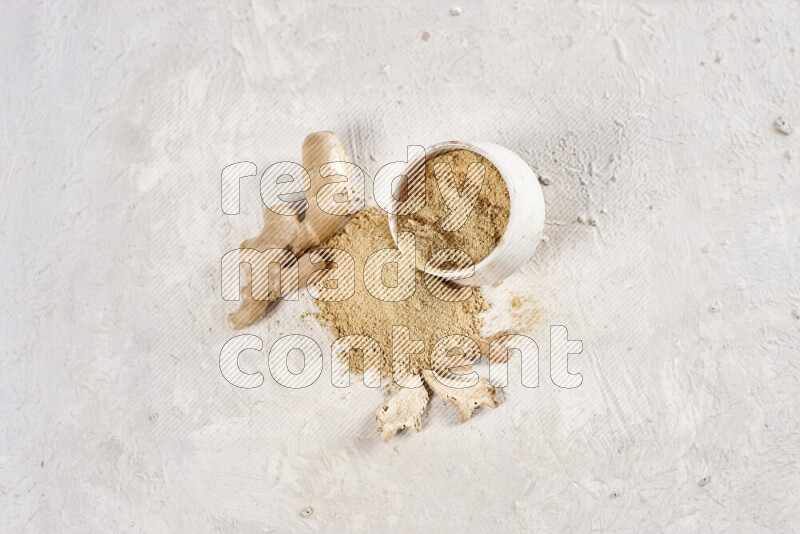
[{"x": 653, "y": 118}]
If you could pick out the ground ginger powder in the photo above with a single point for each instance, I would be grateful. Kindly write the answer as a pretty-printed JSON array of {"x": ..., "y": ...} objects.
[
  {"x": 484, "y": 227},
  {"x": 428, "y": 318}
]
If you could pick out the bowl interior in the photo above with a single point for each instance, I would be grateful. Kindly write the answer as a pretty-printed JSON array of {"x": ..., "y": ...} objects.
[{"x": 437, "y": 150}]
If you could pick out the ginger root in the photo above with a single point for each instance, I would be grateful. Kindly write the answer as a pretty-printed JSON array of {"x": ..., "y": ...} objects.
[
  {"x": 467, "y": 400},
  {"x": 299, "y": 233},
  {"x": 403, "y": 410}
]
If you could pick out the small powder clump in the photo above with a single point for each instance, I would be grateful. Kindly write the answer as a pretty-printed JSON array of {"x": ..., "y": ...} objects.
[
  {"x": 428, "y": 318},
  {"x": 484, "y": 227}
]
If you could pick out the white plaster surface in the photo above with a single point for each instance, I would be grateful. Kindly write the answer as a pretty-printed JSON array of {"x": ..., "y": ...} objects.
[{"x": 654, "y": 120}]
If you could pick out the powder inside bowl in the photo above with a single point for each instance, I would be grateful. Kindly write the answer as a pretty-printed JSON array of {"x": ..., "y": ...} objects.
[{"x": 484, "y": 227}]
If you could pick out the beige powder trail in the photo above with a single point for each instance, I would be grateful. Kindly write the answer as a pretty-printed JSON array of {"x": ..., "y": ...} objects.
[{"x": 427, "y": 317}]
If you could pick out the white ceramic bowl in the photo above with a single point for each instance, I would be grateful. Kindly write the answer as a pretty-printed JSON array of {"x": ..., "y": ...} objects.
[{"x": 525, "y": 220}]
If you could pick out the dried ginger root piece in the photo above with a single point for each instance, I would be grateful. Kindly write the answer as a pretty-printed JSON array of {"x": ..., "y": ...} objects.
[
  {"x": 297, "y": 233},
  {"x": 467, "y": 400},
  {"x": 403, "y": 410}
]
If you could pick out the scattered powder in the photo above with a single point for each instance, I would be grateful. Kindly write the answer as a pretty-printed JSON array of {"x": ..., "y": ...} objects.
[
  {"x": 427, "y": 317},
  {"x": 524, "y": 313},
  {"x": 484, "y": 227}
]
